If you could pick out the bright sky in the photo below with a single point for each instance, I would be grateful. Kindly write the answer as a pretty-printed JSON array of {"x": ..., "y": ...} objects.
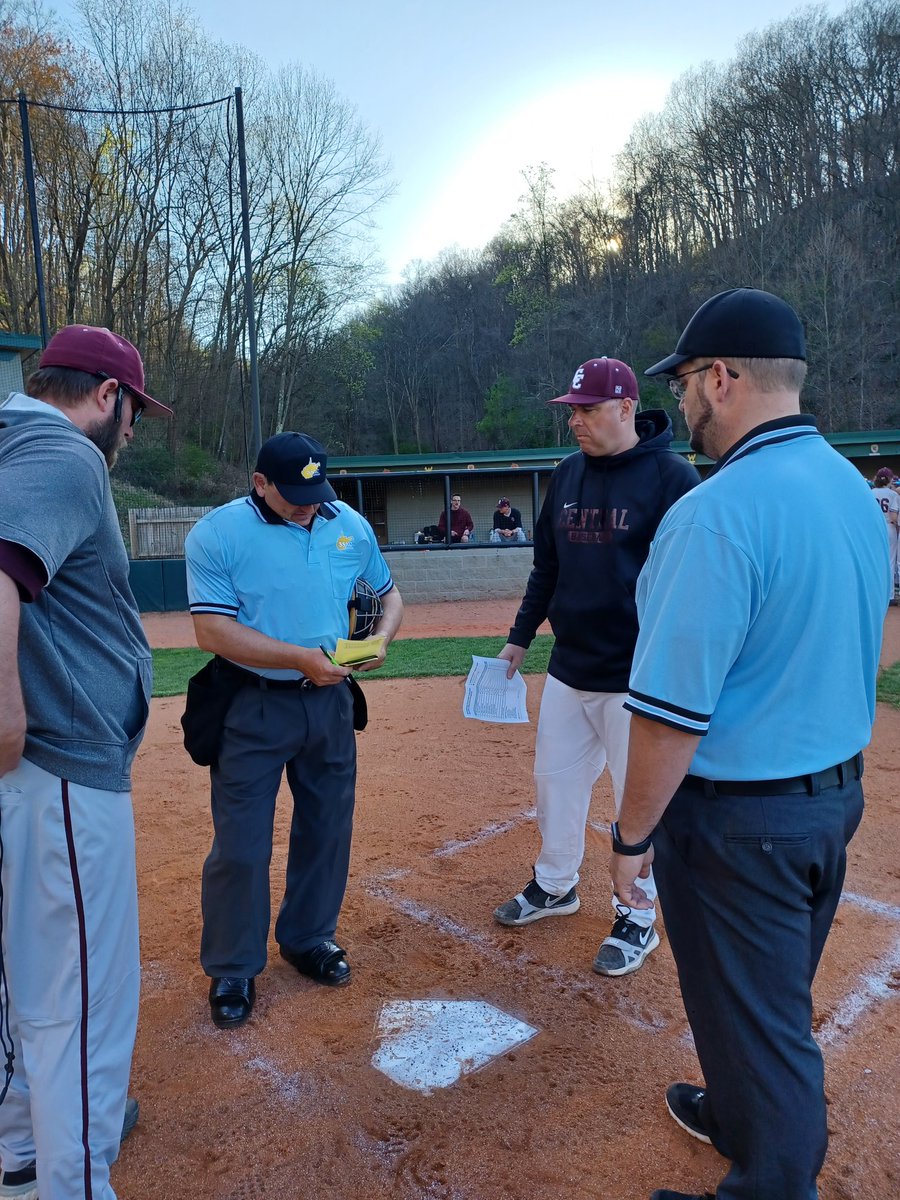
[{"x": 467, "y": 93}]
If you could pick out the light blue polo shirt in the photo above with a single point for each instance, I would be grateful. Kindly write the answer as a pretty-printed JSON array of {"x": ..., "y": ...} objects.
[
  {"x": 761, "y": 609},
  {"x": 285, "y": 581}
]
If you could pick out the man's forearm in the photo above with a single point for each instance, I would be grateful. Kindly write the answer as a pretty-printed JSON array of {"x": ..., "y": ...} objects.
[
  {"x": 225, "y": 636},
  {"x": 389, "y": 621},
  {"x": 658, "y": 760}
]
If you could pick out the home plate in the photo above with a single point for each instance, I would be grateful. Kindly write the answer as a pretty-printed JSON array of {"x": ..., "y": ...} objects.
[{"x": 427, "y": 1044}]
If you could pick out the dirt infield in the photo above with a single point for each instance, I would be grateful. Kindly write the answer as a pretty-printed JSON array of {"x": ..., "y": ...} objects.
[{"x": 290, "y": 1106}]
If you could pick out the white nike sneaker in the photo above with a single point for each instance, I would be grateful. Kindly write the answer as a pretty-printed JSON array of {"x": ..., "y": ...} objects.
[{"x": 626, "y": 947}]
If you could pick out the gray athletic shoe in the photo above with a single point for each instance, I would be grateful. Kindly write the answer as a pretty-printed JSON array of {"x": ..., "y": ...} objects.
[
  {"x": 132, "y": 1111},
  {"x": 22, "y": 1185},
  {"x": 533, "y": 902},
  {"x": 626, "y": 947}
]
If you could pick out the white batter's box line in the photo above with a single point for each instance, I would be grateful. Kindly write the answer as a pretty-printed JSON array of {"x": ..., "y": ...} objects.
[
  {"x": 385, "y": 877},
  {"x": 495, "y": 829},
  {"x": 522, "y": 963},
  {"x": 891, "y": 911},
  {"x": 875, "y": 985}
]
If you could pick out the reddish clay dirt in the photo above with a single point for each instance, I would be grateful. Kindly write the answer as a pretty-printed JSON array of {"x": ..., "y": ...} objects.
[{"x": 290, "y": 1108}]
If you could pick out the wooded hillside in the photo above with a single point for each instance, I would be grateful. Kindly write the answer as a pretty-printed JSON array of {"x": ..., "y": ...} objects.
[{"x": 778, "y": 169}]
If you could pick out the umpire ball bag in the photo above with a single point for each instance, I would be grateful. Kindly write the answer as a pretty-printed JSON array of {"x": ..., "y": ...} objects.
[{"x": 209, "y": 696}]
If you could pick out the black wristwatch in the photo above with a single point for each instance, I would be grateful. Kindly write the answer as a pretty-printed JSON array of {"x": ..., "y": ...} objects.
[{"x": 620, "y": 847}]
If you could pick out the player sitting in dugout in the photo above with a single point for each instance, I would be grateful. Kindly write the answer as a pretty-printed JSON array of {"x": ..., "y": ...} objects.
[{"x": 507, "y": 523}]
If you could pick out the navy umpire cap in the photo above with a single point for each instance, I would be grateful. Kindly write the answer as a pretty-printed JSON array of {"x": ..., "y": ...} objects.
[
  {"x": 296, "y": 465},
  {"x": 739, "y": 323}
]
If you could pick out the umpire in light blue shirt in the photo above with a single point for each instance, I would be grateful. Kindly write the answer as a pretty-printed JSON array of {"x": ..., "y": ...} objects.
[
  {"x": 753, "y": 694},
  {"x": 270, "y": 577}
]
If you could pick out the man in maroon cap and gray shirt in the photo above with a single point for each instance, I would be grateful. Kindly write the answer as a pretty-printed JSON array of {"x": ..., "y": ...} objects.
[
  {"x": 76, "y": 672},
  {"x": 592, "y": 538}
]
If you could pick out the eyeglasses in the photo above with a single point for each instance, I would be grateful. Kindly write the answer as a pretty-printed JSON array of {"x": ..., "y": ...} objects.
[
  {"x": 678, "y": 388},
  {"x": 137, "y": 405}
]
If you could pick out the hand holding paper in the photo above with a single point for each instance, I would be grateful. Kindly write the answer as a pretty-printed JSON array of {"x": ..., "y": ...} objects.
[
  {"x": 349, "y": 653},
  {"x": 490, "y": 696}
]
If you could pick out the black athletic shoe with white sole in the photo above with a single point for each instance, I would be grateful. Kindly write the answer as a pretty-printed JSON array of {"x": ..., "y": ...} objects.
[
  {"x": 665, "y": 1194},
  {"x": 626, "y": 947},
  {"x": 684, "y": 1101},
  {"x": 533, "y": 902}
]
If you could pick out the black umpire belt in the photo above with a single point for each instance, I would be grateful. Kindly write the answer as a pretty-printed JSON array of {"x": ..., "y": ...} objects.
[
  {"x": 812, "y": 784},
  {"x": 252, "y": 679}
]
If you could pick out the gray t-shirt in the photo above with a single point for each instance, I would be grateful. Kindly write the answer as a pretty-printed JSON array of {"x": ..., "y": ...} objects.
[{"x": 84, "y": 661}]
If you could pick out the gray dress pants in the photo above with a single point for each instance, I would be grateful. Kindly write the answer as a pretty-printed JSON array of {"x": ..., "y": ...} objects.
[
  {"x": 310, "y": 734},
  {"x": 749, "y": 886}
]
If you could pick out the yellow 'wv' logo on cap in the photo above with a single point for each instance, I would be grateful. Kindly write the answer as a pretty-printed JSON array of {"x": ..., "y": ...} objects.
[
  {"x": 311, "y": 470},
  {"x": 344, "y": 542}
]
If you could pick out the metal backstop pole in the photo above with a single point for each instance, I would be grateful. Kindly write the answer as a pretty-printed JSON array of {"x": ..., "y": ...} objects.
[
  {"x": 249, "y": 300},
  {"x": 32, "y": 204}
]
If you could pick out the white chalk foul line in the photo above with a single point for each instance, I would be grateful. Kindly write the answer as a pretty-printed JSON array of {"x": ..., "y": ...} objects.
[
  {"x": 495, "y": 829},
  {"x": 600, "y": 826},
  {"x": 877, "y": 984},
  {"x": 891, "y": 911},
  {"x": 520, "y": 963}
]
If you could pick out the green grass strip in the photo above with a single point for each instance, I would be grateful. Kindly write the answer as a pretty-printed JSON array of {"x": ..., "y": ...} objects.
[
  {"x": 409, "y": 658},
  {"x": 418, "y": 658},
  {"x": 888, "y": 688}
]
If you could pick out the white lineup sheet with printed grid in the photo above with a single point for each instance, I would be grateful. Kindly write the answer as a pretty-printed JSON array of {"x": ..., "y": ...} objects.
[{"x": 490, "y": 696}]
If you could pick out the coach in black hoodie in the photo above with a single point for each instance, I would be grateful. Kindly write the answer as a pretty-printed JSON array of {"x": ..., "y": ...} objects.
[{"x": 592, "y": 538}]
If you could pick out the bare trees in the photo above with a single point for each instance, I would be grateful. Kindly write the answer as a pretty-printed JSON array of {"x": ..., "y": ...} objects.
[
  {"x": 325, "y": 177},
  {"x": 779, "y": 169},
  {"x": 137, "y": 192}
]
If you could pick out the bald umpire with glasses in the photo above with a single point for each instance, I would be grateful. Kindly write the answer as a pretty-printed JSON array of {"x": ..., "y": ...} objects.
[{"x": 752, "y": 695}]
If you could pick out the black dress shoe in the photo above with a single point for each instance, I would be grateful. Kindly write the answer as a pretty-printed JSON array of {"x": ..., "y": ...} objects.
[
  {"x": 666, "y": 1194},
  {"x": 324, "y": 963},
  {"x": 231, "y": 1001}
]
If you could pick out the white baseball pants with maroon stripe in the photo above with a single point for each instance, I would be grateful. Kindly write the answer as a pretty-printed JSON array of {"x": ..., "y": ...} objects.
[
  {"x": 71, "y": 955},
  {"x": 579, "y": 733}
]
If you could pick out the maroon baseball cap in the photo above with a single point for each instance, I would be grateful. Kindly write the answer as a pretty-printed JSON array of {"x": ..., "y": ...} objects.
[
  {"x": 503, "y": 501},
  {"x": 101, "y": 352},
  {"x": 600, "y": 379}
]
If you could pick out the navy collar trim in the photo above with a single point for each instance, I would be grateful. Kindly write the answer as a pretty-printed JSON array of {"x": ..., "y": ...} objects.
[
  {"x": 263, "y": 510},
  {"x": 770, "y": 433},
  {"x": 327, "y": 510}
]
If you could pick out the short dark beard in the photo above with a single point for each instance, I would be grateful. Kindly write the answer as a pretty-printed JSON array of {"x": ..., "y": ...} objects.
[
  {"x": 702, "y": 427},
  {"x": 105, "y": 436}
]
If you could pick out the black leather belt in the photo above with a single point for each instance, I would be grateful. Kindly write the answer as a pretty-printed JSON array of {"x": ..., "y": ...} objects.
[
  {"x": 812, "y": 784},
  {"x": 252, "y": 679}
]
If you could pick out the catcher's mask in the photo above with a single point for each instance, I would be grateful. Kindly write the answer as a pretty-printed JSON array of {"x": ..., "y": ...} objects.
[{"x": 365, "y": 609}]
